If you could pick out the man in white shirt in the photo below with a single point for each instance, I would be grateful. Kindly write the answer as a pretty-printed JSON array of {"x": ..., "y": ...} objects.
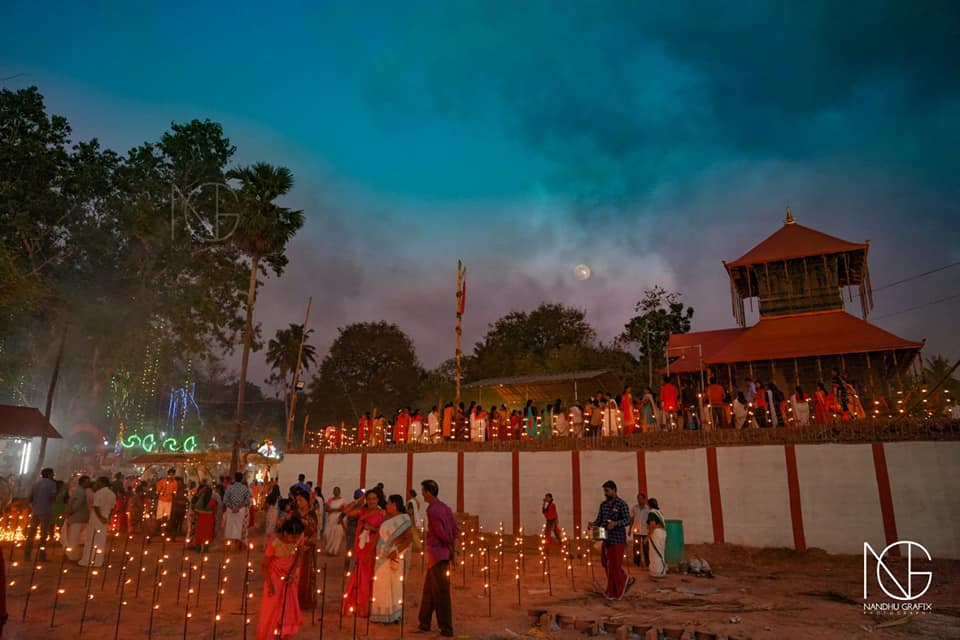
[
  {"x": 638, "y": 525},
  {"x": 96, "y": 547}
]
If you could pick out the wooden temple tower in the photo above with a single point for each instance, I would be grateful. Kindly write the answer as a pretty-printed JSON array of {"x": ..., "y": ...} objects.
[{"x": 801, "y": 279}]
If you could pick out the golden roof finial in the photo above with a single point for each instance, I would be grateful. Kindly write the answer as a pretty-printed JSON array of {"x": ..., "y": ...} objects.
[{"x": 789, "y": 219}]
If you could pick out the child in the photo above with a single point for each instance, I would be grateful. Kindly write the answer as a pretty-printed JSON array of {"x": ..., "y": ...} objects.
[{"x": 279, "y": 607}]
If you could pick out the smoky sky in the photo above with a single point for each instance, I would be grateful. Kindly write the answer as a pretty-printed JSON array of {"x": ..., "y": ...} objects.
[{"x": 648, "y": 140}]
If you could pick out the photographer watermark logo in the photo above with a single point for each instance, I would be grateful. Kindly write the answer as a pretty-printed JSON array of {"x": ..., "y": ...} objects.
[
  {"x": 205, "y": 211},
  {"x": 904, "y": 587}
]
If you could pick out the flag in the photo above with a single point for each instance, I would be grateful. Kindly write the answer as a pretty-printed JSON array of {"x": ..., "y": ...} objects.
[{"x": 461, "y": 288}]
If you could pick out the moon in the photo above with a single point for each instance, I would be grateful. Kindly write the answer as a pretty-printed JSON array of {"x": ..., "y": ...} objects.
[{"x": 582, "y": 272}]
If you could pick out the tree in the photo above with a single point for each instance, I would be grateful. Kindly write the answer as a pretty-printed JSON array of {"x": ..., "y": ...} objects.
[
  {"x": 282, "y": 353},
  {"x": 552, "y": 338},
  {"x": 939, "y": 370},
  {"x": 263, "y": 231},
  {"x": 85, "y": 235},
  {"x": 439, "y": 384},
  {"x": 370, "y": 365},
  {"x": 660, "y": 313}
]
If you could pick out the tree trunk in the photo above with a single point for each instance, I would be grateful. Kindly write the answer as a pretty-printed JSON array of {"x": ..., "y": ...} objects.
[
  {"x": 53, "y": 387},
  {"x": 247, "y": 341}
]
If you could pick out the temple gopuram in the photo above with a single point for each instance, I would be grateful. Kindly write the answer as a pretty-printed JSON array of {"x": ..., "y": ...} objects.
[{"x": 799, "y": 279}]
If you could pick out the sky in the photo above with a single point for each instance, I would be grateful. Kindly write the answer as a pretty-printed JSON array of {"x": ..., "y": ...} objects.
[{"x": 648, "y": 140}]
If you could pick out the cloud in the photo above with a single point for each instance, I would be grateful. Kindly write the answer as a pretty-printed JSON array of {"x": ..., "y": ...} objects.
[
  {"x": 629, "y": 96},
  {"x": 648, "y": 140}
]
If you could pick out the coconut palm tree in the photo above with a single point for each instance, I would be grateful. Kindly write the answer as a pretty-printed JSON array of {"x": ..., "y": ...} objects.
[
  {"x": 939, "y": 371},
  {"x": 263, "y": 230},
  {"x": 282, "y": 352}
]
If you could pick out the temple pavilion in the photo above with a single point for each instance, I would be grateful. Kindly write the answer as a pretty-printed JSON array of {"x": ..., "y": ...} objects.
[{"x": 799, "y": 279}]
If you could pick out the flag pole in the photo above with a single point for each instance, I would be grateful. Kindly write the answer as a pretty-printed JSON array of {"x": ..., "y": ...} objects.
[{"x": 461, "y": 295}]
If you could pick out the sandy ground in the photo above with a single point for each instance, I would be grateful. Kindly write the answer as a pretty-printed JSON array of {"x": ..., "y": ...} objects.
[{"x": 757, "y": 593}]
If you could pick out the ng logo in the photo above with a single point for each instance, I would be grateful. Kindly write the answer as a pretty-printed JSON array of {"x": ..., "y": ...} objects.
[{"x": 903, "y": 591}]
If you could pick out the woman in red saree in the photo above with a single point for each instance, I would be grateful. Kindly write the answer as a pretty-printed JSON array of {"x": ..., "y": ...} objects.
[
  {"x": 203, "y": 510},
  {"x": 360, "y": 588},
  {"x": 280, "y": 614}
]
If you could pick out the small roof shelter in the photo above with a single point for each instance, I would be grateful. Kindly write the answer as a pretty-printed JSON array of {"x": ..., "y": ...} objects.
[
  {"x": 568, "y": 387},
  {"x": 25, "y": 422}
]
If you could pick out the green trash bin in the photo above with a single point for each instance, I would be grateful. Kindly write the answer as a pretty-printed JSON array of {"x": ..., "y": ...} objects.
[{"x": 674, "y": 541}]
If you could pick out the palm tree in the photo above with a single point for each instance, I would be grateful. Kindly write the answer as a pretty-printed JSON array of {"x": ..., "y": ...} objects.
[
  {"x": 938, "y": 370},
  {"x": 264, "y": 228},
  {"x": 282, "y": 352}
]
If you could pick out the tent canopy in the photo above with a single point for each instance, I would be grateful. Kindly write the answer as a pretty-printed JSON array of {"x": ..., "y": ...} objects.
[
  {"x": 24, "y": 422},
  {"x": 568, "y": 387}
]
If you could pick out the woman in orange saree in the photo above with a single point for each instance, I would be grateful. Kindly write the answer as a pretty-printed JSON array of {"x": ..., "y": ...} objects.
[
  {"x": 280, "y": 614},
  {"x": 359, "y": 590},
  {"x": 821, "y": 407}
]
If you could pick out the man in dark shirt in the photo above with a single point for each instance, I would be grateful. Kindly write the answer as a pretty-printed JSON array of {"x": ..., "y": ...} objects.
[
  {"x": 614, "y": 516},
  {"x": 301, "y": 485},
  {"x": 41, "y": 512},
  {"x": 440, "y": 542}
]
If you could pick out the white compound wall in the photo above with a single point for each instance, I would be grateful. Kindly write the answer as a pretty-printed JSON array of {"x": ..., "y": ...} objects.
[{"x": 831, "y": 496}]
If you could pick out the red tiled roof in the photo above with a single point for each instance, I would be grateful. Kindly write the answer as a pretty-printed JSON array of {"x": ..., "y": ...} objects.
[
  {"x": 811, "y": 334},
  {"x": 24, "y": 422},
  {"x": 794, "y": 241},
  {"x": 711, "y": 342}
]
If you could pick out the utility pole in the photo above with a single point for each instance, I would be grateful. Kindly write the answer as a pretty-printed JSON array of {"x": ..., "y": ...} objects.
[
  {"x": 296, "y": 380},
  {"x": 53, "y": 387}
]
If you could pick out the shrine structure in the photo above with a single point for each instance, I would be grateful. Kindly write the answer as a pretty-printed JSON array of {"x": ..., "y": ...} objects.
[{"x": 800, "y": 278}]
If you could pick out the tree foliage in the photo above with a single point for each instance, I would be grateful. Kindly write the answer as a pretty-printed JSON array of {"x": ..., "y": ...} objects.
[
  {"x": 111, "y": 245},
  {"x": 939, "y": 370},
  {"x": 659, "y": 313},
  {"x": 552, "y": 338},
  {"x": 370, "y": 365},
  {"x": 284, "y": 349}
]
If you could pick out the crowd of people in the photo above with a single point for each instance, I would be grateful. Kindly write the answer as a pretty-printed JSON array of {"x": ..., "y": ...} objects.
[
  {"x": 378, "y": 532},
  {"x": 375, "y": 533},
  {"x": 86, "y": 510},
  {"x": 679, "y": 403}
]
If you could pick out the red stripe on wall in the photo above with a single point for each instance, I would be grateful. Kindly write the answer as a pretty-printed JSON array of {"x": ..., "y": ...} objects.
[
  {"x": 716, "y": 507},
  {"x": 320, "y": 470},
  {"x": 409, "y": 473},
  {"x": 886, "y": 498},
  {"x": 577, "y": 506},
  {"x": 363, "y": 470},
  {"x": 642, "y": 471},
  {"x": 793, "y": 488},
  {"x": 516, "y": 491},
  {"x": 459, "y": 481}
]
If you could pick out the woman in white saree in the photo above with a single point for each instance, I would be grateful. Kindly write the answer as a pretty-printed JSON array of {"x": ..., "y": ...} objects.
[
  {"x": 393, "y": 542},
  {"x": 333, "y": 532},
  {"x": 801, "y": 407},
  {"x": 657, "y": 535}
]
